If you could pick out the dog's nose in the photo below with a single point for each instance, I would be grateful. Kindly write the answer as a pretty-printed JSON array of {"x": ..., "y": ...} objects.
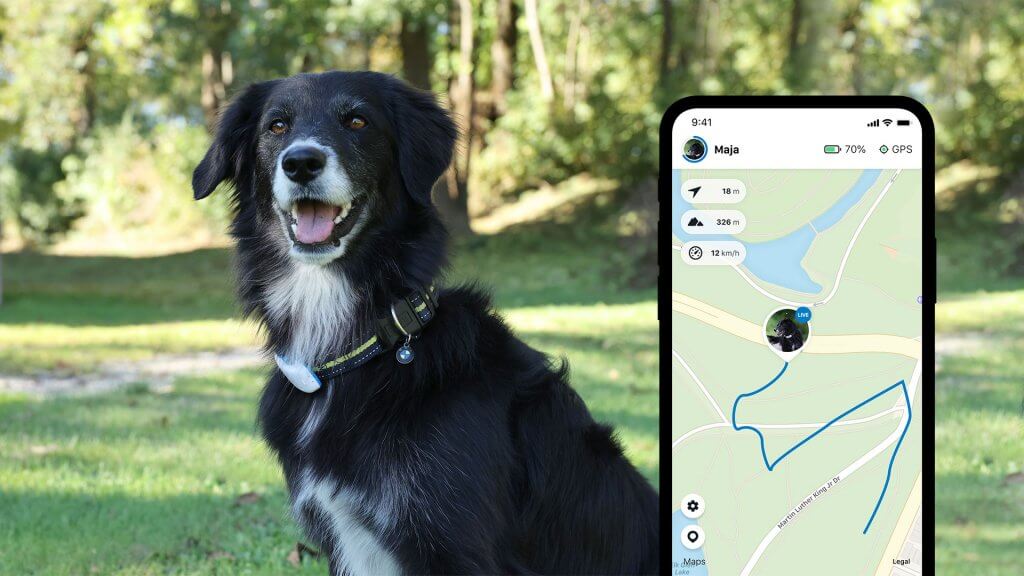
[{"x": 303, "y": 163}]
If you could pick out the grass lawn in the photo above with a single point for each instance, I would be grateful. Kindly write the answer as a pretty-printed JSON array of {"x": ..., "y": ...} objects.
[
  {"x": 139, "y": 482},
  {"x": 979, "y": 432}
]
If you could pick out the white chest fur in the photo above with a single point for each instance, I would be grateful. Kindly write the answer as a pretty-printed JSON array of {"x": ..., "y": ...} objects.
[
  {"x": 317, "y": 302},
  {"x": 357, "y": 549}
]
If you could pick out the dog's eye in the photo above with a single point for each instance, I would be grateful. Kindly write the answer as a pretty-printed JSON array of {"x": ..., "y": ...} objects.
[
  {"x": 356, "y": 123},
  {"x": 278, "y": 127}
]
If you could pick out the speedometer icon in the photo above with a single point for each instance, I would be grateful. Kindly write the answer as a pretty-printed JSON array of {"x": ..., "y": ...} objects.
[{"x": 695, "y": 253}]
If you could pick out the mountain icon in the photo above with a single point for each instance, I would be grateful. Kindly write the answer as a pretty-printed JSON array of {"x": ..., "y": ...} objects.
[{"x": 694, "y": 222}]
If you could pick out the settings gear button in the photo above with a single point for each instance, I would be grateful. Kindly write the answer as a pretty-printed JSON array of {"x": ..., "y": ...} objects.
[{"x": 692, "y": 506}]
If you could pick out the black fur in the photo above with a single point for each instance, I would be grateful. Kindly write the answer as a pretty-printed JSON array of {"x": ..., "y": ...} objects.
[
  {"x": 787, "y": 336},
  {"x": 502, "y": 468}
]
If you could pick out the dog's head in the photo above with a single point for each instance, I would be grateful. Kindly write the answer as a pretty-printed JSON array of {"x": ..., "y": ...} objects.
[
  {"x": 328, "y": 156},
  {"x": 786, "y": 328}
]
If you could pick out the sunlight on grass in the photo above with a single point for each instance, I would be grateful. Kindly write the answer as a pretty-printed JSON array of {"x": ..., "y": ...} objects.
[
  {"x": 142, "y": 483},
  {"x": 67, "y": 349},
  {"x": 135, "y": 482},
  {"x": 138, "y": 482},
  {"x": 613, "y": 358},
  {"x": 979, "y": 436},
  {"x": 997, "y": 312}
]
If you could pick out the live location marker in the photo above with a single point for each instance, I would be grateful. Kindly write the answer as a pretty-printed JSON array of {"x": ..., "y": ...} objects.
[{"x": 787, "y": 330}]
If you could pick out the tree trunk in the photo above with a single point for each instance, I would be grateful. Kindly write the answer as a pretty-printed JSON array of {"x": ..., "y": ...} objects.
[
  {"x": 692, "y": 43},
  {"x": 852, "y": 25},
  {"x": 547, "y": 88},
  {"x": 218, "y": 21},
  {"x": 417, "y": 58},
  {"x": 796, "y": 17},
  {"x": 572, "y": 49},
  {"x": 503, "y": 55},
  {"x": 367, "y": 46},
  {"x": 452, "y": 199},
  {"x": 664, "y": 59},
  {"x": 795, "y": 66},
  {"x": 306, "y": 65},
  {"x": 1, "y": 261},
  {"x": 214, "y": 91},
  {"x": 87, "y": 87},
  {"x": 713, "y": 30}
]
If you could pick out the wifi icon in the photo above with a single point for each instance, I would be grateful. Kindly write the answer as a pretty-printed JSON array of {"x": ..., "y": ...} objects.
[{"x": 887, "y": 121}]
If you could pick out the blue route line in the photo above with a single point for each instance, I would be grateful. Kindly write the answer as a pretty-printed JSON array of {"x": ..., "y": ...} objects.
[{"x": 771, "y": 465}]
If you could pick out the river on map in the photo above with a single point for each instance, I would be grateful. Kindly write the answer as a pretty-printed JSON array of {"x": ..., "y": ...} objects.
[
  {"x": 680, "y": 553},
  {"x": 778, "y": 261}
]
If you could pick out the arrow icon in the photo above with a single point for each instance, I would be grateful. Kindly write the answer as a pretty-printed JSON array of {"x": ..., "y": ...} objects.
[{"x": 694, "y": 190}]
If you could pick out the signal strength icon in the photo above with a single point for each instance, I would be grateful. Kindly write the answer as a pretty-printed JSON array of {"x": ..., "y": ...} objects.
[
  {"x": 886, "y": 121},
  {"x": 873, "y": 123}
]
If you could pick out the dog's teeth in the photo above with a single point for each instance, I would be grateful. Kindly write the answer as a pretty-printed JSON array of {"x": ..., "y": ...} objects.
[
  {"x": 295, "y": 212},
  {"x": 295, "y": 228},
  {"x": 343, "y": 213}
]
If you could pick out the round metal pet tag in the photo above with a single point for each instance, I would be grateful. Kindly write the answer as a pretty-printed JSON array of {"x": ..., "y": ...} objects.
[{"x": 405, "y": 354}]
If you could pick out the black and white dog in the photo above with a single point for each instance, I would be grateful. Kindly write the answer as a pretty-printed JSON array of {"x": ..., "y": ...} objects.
[
  {"x": 787, "y": 336},
  {"x": 417, "y": 434}
]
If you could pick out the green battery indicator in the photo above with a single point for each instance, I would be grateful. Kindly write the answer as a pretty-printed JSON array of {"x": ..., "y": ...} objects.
[{"x": 831, "y": 149}]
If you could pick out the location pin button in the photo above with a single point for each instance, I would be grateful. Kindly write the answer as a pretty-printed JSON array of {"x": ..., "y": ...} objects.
[
  {"x": 692, "y": 537},
  {"x": 787, "y": 331}
]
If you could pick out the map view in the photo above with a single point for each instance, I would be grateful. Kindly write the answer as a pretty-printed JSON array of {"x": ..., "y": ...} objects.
[{"x": 796, "y": 367}]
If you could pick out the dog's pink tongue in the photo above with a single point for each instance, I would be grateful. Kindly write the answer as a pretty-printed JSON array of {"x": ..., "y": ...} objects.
[{"x": 315, "y": 221}]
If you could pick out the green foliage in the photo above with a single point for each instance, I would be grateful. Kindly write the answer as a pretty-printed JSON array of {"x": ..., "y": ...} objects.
[
  {"x": 27, "y": 179},
  {"x": 70, "y": 72},
  {"x": 535, "y": 144},
  {"x": 969, "y": 215},
  {"x": 133, "y": 179}
]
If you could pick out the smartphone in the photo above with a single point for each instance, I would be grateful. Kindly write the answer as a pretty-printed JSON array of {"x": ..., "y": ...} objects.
[{"x": 797, "y": 312}]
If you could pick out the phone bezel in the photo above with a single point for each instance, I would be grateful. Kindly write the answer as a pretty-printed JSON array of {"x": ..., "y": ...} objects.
[{"x": 929, "y": 284}]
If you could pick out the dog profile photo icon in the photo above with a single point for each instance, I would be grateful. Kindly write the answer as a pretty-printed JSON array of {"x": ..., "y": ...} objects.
[
  {"x": 695, "y": 149},
  {"x": 786, "y": 331}
]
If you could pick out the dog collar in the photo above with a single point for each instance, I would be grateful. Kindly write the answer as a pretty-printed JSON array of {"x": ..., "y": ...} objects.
[{"x": 406, "y": 318}]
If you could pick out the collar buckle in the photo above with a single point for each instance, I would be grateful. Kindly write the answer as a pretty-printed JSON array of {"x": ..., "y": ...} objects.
[{"x": 409, "y": 315}]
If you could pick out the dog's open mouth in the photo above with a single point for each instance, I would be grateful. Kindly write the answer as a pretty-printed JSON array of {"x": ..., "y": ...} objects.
[{"x": 313, "y": 223}]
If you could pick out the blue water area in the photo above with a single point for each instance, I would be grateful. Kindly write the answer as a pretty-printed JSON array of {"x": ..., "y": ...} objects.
[
  {"x": 836, "y": 212},
  {"x": 680, "y": 553},
  {"x": 779, "y": 261}
]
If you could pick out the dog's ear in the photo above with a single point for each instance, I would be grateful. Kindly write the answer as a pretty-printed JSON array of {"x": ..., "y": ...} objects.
[
  {"x": 235, "y": 136},
  {"x": 425, "y": 137}
]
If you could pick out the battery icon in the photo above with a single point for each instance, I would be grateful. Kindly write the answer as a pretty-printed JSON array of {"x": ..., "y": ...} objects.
[{"x": 831, "y": 149}]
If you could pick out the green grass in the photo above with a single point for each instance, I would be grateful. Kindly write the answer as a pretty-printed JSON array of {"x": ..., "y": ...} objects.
[
  {"x": 70, "y": 313},
  {"x": 979, "y": 433},
  {"x": 137, "y": 482}
]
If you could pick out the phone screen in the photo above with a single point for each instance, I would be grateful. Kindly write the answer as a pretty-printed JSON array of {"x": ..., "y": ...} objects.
[{"x": 798, "y": 299}]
